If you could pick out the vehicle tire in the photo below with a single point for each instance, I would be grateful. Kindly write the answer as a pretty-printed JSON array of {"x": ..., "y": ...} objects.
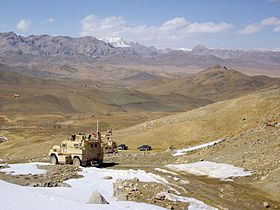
[
  {"x": 100, "y": 163},
  {"x": 76, "y": 162},
  {"x": 53, "y": 160}
]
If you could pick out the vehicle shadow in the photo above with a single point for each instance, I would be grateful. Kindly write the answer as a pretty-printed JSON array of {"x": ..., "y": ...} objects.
[{"x": 107, "y": 165}]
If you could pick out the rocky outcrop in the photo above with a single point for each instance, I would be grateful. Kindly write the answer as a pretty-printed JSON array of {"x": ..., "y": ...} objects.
[{"x": 55, "y": 176}]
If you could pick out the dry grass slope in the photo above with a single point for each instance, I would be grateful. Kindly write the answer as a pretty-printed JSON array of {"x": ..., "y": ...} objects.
[
  {"x": 206, "y": 123},
  {"x": 215, "y": 83}
]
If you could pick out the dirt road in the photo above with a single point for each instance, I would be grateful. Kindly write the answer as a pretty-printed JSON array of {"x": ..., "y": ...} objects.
[{"x": 214, "y": 192}]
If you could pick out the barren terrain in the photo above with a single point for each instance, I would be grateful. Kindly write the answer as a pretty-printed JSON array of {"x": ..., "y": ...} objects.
[{"x": 238, "y": 111}]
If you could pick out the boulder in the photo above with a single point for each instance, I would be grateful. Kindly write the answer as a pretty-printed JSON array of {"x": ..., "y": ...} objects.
[
  {"x": 3, "y": 139},
  {"x": 160, "y": 196},
  {"x": 277, "y": 124},
  {"x": 107, "y": 177},
  {"x": 266, "y": 205},
  {"x": 97, "y": 198}
]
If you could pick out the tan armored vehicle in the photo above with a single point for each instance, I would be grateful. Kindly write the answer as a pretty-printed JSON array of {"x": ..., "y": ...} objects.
[
  {"x": 108, "y": 145},
  {"x": 79, "y": 150}
]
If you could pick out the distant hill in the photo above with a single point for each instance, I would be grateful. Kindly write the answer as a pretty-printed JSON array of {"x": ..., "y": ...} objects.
[
  {"x": 41, "y": 95},
  {"x": 216, "y": 83},
  {"x": 139, "y": 77},
  {"x": 39, "y": 104},
  {"x": 204, "y": 124},
  {"x": 10, "y": 77},
  {"x": 155, "y": 94}
]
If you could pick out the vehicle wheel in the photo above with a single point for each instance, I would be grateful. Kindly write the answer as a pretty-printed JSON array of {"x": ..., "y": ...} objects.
[
  {"x": 76, "y": 162},
  {"x": 100, "y": 162},
  {"x": 53, "y": 160}
]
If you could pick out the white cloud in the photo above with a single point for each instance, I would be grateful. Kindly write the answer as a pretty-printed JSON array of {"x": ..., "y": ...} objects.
[
  {"x": 253, "y": 28},
  {"x": 175, "y": 23},
  {"x": 250, "y": 29},
  {"x": 271, "y": 21},
  {"x": 109, "y": 26},
  {"x": 23, "y": 24},
  {"x": 208, "y": 27},
  {"x": 167, "y": 33}
]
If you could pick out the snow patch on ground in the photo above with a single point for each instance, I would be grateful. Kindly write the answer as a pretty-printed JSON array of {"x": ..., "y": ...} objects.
[
  {"x": 158, "y": 178},
  {"x": 75, "y": 197},
  {"x": 216, "y": 170},
  {"x": 27, "y": 168},
  {"x": 184, "y": 151},
  {"x": 71, "y": 198},
  {"x": 166, "y": 171},
  {"x": 194, "y": 204}
]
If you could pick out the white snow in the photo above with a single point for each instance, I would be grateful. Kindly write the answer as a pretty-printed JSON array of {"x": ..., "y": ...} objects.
[
  {"x": 166, "y": 171},
  {"x": 184, "y": 151},
  {"x": 185, "y": 49},
  {"x": 194, "y": 204},
  {"x": 75, "y": 197},
  {"x": 116, "y": 41},
  {"x": 17, "y": 197},
  {"x": 27, "y": 168},
  {"x": 206, "y": 168},
  {"x": 158, "y": 178}
]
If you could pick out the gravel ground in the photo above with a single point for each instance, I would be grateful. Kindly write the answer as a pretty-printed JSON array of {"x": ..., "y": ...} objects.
[{"x": 55, "y": 176}]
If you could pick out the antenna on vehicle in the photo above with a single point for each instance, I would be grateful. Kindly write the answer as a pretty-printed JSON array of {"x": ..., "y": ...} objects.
[{"x": 97, "y": 129}]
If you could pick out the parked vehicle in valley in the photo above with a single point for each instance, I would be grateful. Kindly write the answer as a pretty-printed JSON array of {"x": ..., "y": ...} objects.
[
  {"x": 144, "y": 148},
  {"x": 122, "y": 147}
]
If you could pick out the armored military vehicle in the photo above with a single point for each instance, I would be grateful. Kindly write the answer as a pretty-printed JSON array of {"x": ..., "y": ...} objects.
[
  {"x": 108, "y": 145},
  {"x": 79, "y": 150}
]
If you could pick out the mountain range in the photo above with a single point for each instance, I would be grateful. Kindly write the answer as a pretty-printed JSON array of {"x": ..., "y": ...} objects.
[{"x": 45, "y": 51}]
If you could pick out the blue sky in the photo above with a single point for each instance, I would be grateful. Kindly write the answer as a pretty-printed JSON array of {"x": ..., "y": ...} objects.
[{"x": 244, "y": 24}]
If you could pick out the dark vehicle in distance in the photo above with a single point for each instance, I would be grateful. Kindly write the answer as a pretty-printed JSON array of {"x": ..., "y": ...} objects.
[
  {"x": 144, "y": 148},
  {"x": 122, "y": 147}
]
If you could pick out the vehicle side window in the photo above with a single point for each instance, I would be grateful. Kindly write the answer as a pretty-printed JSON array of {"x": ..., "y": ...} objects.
[{"x": 63, "y": 145}]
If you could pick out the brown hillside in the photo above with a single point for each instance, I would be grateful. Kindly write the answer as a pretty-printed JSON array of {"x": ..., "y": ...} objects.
[
  {"x": 215, "y": 83},
  {"x": 204, "y": 124}
]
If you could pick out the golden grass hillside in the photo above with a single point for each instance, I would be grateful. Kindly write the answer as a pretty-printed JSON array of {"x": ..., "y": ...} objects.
[
  {"x": 215, "y": 83},
  {"x": 204, "y": 124}
]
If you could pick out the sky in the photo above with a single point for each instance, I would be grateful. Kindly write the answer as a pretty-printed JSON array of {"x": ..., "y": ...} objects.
[{"x": 234, "y": 24}]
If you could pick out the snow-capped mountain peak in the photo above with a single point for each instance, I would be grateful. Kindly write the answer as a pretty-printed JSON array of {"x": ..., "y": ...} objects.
[
  {"x": 185, "y": 49},
  {"x": 116, "y": 41}
]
